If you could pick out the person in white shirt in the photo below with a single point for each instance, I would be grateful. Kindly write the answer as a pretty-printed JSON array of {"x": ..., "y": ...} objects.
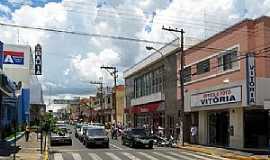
[{"x": 193, "y": 132}]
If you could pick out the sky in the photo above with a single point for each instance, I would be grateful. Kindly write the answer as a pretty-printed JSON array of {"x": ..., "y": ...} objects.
[{"x": 71, "y": 61}]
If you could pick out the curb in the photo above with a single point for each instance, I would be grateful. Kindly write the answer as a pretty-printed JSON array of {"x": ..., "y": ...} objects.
[{"x": 229, "y": 156}]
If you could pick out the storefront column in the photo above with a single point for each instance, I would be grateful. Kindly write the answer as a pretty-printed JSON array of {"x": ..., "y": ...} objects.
[
  {"x": 236, "y": 128},
  {"x": 202, "y": 129}
]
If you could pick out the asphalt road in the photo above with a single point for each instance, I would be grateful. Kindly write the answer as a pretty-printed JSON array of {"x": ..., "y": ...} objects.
[{"x": 119, "y": 152}]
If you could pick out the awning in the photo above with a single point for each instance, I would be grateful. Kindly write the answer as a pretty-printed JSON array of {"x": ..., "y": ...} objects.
[{"x": 149, "y": 107}]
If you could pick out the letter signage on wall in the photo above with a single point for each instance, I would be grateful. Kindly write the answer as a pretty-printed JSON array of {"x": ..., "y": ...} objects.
[
  {"x": 222, "y": 96},
  {"x": 38, "y": 60},
  {"x": 251, "y": 79}
]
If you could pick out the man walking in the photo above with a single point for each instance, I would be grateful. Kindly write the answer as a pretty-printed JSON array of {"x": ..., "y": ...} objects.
[{"x": 27, "y": 132}]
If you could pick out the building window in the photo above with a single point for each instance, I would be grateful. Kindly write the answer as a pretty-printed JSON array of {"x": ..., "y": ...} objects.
[
  {"x": 203, "y": 67},
  {"x": 109, "y": 100},
  {"x": 228, "y": 60},
  {"x": 187, "y": 74}
]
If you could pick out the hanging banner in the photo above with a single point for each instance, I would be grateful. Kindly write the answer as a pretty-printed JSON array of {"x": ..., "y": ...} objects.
[
  {"x": 251, "y": 79},
  {"x": 38, "y": 60}
]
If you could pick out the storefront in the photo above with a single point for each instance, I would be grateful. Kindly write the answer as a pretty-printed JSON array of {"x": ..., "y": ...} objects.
[
  {"x": 220, "y": 116},
  {"x": 149, "y": 115}
]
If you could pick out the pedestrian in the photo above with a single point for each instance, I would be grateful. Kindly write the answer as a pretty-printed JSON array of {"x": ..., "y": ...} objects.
[
  {"x": 193, "y": 131},
  {"x": 27, "y": 132}
]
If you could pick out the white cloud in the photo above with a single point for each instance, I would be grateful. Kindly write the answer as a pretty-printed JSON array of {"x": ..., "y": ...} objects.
[
  {"x": 4, "y": 9},
  {"x": 88, "y": 68}
]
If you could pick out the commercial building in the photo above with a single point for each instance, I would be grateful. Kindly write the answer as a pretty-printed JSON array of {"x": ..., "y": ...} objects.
[
  {"x": 8, "y": 101},
  {"x": 18, "y": 65},
  {"x": 150, "y": 90},
  {"x": 227, "y": 86}
]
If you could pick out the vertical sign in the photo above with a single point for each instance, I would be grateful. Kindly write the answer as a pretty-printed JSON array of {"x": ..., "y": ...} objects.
[
  {"x": 1, "y": 54},
  {"x": 251, "y": 79},
  {"x": 38, "y": 60}
]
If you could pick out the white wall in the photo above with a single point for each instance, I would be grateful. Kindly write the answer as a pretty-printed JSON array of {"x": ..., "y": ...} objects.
[{"x": 20, "y": 72}]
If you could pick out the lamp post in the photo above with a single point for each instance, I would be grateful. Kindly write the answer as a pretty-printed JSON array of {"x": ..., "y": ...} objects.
[{"x": 17, "y": 94}]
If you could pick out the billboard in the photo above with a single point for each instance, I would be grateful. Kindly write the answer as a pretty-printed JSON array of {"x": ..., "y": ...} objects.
[{"x": 13, "y": 57}]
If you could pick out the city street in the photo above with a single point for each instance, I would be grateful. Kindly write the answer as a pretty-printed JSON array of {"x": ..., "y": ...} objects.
[{"x": 117, "y": 151}]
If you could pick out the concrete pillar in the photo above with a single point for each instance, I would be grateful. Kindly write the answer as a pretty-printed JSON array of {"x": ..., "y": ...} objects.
[
  {"x": 202, "y": 129},
  {"x": 237, "y": 123}
]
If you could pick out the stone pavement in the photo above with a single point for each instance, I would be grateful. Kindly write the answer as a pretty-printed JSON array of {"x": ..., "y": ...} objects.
[{"x": 222, "y": 152}]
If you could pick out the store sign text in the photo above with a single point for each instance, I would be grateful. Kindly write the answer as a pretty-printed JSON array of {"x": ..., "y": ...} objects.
[
  {"x": 223, "y": 96},
  {"x": 251, "y": 83}
]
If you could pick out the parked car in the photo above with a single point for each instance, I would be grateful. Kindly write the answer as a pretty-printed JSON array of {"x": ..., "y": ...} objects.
[
  {"x": 137, "y": 137},
  {"x": 60, "y": 136},
  {"x": 96, "y": 136}
]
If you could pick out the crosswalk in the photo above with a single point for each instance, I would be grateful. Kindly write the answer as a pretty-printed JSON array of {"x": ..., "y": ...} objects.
[{"x": 135, "y": 155}]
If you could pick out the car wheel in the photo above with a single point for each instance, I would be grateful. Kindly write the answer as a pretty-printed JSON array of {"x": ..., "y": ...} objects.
[
  {"x": 70, "y": 143},
  {"x": 150, "y": 146},
  {"x": 107, "y": 145},
  {"x": 132, "y": 144},
  {"x": 123, "y": 142}
]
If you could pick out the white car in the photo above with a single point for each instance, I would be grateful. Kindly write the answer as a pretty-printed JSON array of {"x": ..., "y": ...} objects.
[
  {"x": 80, "y": 132},
  {"x": 97, "y": 125}
]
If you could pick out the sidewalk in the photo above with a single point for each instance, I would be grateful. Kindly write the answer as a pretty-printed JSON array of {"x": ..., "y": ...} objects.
[{"x": 222, "y": 152}]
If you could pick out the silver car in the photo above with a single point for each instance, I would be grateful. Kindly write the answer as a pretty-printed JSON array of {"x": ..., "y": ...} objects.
[{"x": 96, "y": 137}]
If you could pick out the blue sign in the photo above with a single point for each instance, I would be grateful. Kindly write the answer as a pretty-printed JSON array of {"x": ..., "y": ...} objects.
[{"x": 1, "y": 54}]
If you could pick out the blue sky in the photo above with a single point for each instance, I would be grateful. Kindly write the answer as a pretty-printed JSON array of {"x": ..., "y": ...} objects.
[{"x": 71, "y": 61}]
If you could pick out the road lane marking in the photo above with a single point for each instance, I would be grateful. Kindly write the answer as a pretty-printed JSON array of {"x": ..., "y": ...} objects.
[
  {"x": 130, "y": 156},
  {"x": 165, "y": 156},
  {"x": 117, "y": 147},
  {"x": 195, "y": 155},
  {"x": 181, "y": 156},
  {"x": 207, "y": 155},
  {"x": 58, "y": 156},
  {"x": 94, "y": 156},
  {"x": 113, "y": 156},
  {"x": 76, "y": 156},
  {"x": 147, "y": 156}
]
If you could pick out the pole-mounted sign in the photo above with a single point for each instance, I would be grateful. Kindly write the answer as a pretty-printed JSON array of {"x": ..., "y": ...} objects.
[{"x": 38, "y": 59}]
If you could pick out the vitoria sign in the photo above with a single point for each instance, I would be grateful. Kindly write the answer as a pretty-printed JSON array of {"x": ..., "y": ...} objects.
[{"x": 222, "y": 96}]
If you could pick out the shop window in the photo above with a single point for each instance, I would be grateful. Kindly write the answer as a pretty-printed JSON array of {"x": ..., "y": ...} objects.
[
  {"x": 203, "y": 67},
  {"x": 228, "y": 60},
  {"x": 187, "y": 74}
]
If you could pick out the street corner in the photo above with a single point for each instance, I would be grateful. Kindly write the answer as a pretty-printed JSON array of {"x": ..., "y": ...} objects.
[{"x": 196, "y": 149}]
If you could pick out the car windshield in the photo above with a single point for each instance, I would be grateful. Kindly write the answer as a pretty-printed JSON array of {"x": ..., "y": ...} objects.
[
  {"x": 96, "y": 132},
  {"x": 140, "y": 132}
]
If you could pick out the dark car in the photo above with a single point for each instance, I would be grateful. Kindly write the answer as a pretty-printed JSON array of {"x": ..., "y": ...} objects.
[
  {"x": 96, "y": 137},
  {"x": 60, "y": 136},
  {"x": 137, "y": 137}
]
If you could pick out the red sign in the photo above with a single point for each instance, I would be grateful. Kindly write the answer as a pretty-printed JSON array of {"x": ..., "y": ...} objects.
[{"x": 150, "y": 107}]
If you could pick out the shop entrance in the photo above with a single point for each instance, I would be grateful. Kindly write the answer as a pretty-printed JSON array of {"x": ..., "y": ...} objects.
[{"x": 218, "y": 125}]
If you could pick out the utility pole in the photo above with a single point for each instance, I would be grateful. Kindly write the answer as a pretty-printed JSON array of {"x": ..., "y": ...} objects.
[
  {"x": 113, "y": 72},
  {"x": 101, "y": 95},
  {"x": 182, "y": 61}
]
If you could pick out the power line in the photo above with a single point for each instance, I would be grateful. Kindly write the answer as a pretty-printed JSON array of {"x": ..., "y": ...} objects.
[{"x": 83, "y": 34}]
